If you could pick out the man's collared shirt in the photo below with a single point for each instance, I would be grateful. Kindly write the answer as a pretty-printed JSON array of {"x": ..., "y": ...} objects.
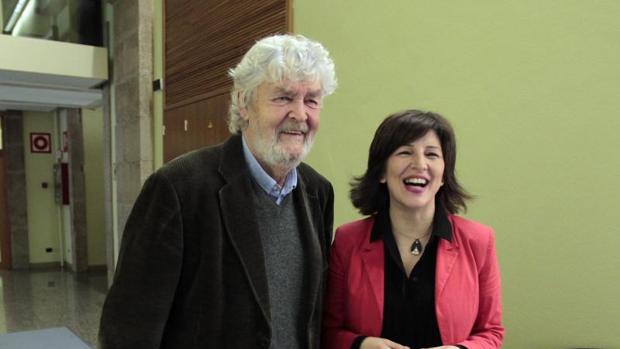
[{"x": 264, "y": 180}]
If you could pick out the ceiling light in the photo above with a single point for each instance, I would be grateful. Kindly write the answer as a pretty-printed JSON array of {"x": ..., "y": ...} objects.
[{"x": 17, "y": 12}]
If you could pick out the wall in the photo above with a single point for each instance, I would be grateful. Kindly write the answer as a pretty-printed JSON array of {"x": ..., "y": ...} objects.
[
  {"x": 531, "y": 88},
  {"x": 92, "y": 123},
  {"x": 16, "y": 199},
  {"x": 158, "y": 73},
  {"x": 64, "y": 210},
  {"x": 42, "y": 213},
  {"x": 133, "y": 51},
  {"x": 111, "y": 227},
  {"x": 23, "y": 54},
  {"x": 45, "y": 220}
]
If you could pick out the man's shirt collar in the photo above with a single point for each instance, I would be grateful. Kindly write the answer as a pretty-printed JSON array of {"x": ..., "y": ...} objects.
[{"x": 264, "y": 180}]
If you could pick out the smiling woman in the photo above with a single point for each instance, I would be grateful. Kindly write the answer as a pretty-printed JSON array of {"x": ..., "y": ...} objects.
[
  {"x": 414, "y": 174},
  {"x": 413, "y": 274},
  {"x": 401, "y": 130}
]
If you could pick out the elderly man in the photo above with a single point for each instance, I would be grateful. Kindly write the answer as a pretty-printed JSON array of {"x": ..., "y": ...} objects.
[{"x": 226, "y": 246}]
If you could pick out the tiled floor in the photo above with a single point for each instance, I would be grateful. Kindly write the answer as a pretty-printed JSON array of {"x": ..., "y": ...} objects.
[{"x": 43, "y": 299}]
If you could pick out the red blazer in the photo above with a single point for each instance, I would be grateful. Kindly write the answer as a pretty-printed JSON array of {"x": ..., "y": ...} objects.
[{"x": 467, "y": 287}]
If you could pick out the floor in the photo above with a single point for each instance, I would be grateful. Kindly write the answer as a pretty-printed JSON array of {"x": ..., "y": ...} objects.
[{"x": 32, "y": 300}]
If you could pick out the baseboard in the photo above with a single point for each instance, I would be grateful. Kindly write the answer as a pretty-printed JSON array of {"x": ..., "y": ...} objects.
[
  {"x": 98, "y": 268},
  {"x": 67, "y": 266},
  {"x": 44, "y": 265}
]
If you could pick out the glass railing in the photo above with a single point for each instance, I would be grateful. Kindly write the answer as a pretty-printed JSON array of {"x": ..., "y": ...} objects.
[{"x": 76, "y": 21}]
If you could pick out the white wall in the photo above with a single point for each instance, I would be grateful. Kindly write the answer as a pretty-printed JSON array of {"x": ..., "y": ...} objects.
[{"x": 61, "y": 58}]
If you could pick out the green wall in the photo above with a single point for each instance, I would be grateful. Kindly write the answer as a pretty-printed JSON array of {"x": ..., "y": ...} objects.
[{"x": 532, "y": 89}]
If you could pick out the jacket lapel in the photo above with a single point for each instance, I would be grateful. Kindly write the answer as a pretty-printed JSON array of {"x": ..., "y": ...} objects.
[
  {"x": 373, "y": 262},
  {"x": 446, "y": 256},
  {"x": 239, "y": 219},
  {"x": 305, "y": 205}
]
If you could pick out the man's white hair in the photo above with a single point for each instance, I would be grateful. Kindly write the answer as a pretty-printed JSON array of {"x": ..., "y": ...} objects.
[{"x": 277, "y": 58}]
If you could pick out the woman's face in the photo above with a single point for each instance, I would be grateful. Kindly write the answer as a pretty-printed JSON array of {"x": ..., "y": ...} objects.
[{"x": 414, "y": 174}]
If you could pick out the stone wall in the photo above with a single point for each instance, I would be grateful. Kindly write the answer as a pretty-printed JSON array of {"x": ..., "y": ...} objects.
[
  {"x": 16, "y": 191},
  {"x": 79, "y": 234},
  {"x": 132, "y": 35}
]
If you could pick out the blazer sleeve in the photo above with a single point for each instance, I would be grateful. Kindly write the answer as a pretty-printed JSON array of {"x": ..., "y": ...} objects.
[
  {"x": 136, "y": 308},
  {"x": 335, "y": 334},
  {"x": 488, "y": 331}
]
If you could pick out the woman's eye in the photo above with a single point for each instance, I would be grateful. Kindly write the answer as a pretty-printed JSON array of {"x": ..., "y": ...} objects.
[{"x": 432, "y": 155}]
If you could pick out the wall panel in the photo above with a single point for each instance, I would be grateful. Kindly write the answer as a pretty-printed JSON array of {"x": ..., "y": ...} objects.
[{"x": 203, "y": 40}]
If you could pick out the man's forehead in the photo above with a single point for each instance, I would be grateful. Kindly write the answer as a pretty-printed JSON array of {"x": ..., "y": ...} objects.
[{"x": 312, "y": 87}]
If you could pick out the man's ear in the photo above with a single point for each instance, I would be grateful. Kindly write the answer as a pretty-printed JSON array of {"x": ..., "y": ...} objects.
[{"x": 243, "y": 111}]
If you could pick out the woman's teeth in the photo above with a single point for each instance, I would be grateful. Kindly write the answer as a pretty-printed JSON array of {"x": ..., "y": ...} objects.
[{"x": 418, "y": 182}]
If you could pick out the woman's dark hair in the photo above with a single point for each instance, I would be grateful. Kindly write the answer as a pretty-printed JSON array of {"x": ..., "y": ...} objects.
[{"x": 370, "y": 196}]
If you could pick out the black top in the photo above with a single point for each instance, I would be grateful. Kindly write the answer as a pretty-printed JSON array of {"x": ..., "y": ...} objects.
[{"x": 409, "y": 307}]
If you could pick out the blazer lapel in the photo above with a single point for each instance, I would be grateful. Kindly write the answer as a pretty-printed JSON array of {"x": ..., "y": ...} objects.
[
  {"x": 305, "y": 205},
  {"x": 373, "y": 261},
  {"x": 446, "y": 256},
  {"x": 239, "y": 219}
]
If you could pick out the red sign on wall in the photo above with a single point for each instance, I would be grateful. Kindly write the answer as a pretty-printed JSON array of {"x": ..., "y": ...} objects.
[{"x": 40, "y": 142}]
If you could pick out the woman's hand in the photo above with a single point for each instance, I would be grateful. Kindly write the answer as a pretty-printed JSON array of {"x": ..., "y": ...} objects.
[{"x": 380, "y": 343}]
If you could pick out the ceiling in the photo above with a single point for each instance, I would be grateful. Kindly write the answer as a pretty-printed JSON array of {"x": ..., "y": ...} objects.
[
  {"x": 24, "y": 89},
  {"x": 46, "y": 92}
]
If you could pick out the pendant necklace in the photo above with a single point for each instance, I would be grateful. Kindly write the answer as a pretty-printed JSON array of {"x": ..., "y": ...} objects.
[{"x": 416, "y": 247}]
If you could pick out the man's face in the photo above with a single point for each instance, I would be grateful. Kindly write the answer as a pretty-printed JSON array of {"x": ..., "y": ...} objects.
[{"x": 282, "y": 122}]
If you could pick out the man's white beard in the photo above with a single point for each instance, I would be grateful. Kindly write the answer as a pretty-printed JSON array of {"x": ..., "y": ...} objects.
[{"x": 273, "y": 154}]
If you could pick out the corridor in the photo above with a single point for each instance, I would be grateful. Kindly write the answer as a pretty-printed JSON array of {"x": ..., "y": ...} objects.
[{"x": 33, "y": 300}]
